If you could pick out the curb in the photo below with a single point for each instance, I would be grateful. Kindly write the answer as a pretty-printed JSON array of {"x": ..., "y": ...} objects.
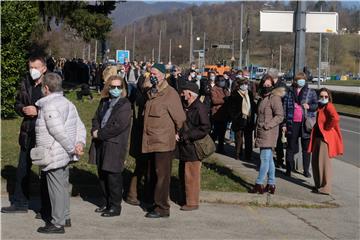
[
  {"x": 349, "y": 115},
  {"x": 235, "y": 198}
]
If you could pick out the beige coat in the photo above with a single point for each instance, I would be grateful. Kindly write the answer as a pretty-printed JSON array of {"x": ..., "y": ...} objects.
[
  {"x": 269, "y": 116},
  {"x": 163, "y": 117}
]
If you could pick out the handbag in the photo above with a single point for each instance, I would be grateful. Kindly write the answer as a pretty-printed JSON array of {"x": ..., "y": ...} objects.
[
  {"x": 204, "y": 147},
  {"x": 309, "y": 121},
  {"x": 41, "y": 156}
]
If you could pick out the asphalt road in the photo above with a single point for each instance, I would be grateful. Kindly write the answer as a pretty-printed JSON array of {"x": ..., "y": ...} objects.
[
  {"x": 350, "y": 129},
  {"x": 353, "y": 89}
]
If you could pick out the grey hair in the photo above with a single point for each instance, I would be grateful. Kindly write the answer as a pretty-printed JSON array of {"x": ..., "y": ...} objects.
[
  {"x": 195, "y": 95},
  {"x": 53, "y": 81},
  {"x": 273, "y": 72}
]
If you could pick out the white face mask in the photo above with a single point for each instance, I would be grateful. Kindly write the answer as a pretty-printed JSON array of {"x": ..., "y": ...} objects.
[
  {"x": 244, "y": 87},
  {"x": 35, "y": 74}
]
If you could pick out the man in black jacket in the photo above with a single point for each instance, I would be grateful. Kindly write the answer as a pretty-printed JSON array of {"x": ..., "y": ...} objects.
[
  {"x": 196, "y": 127},
  {"x": 28, "y": 94}
]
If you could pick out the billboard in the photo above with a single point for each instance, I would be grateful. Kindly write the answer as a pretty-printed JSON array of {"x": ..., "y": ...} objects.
[
  {"x": 322, "y": 22},
  {"x": 121, "y": 55},
  {"x": 276, "y": 21}
]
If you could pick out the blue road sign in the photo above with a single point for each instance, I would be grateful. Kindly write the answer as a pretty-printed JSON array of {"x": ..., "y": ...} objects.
[{"x": 121, "y": 55}]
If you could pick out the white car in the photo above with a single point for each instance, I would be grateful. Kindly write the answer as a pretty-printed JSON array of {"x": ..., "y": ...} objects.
[{"x": 315, "y": 79}]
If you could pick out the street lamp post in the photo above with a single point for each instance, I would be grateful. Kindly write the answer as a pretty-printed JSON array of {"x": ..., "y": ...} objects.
[{"x": 241, "y": 33}]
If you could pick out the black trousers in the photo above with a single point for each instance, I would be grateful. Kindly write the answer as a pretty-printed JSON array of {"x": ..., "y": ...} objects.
[
  {"x": 279, "y": 149},
  {"x": 293, "y": 147},
  {"x": 247, "y": 134},
  {"x": 219, "y": 134},
  {"x": 112, "y": 186}
]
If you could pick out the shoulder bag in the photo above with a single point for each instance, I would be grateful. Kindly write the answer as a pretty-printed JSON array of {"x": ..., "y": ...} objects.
[
  {"x": 204, "y": 147},
  {"x": 41, "y": 156}
]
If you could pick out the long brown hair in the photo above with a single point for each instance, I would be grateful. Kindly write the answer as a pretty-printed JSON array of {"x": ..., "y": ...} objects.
[{"x": 328, "y": 92}]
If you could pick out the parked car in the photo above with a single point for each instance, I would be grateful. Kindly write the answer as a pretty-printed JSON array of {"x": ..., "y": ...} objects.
[{"x": 315, "y": 79}]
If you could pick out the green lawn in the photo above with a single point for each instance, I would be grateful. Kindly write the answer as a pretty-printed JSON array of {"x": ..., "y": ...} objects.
[
  {"x": 214, "y": 176},
  {"x": 342, "y": 83},
  {"x": 347, "y": 109}
]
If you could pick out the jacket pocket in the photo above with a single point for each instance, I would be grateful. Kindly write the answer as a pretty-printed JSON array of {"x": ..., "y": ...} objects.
[{"x": 156, "y": 111}]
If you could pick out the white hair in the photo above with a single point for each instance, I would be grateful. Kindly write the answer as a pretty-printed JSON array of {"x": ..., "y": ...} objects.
[{"x": 195, "y": 95}]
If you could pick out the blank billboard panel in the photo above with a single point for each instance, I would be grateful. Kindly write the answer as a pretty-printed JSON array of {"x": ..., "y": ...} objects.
[
  {"x": 321, "y": 22},
  {"x": 276, "y": 21}
]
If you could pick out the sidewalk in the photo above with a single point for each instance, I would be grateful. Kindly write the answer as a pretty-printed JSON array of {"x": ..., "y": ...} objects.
[{"x": 241, "y": 220}]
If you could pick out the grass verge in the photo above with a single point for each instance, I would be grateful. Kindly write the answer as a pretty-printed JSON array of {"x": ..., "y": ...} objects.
[
  {"x": 342, "y": 83},
  {"x": 214, "y": 177},
  {"x": 347, "y": 109}
]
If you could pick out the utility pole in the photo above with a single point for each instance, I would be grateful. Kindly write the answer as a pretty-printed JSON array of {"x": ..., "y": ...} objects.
[
  {"x": 170, "y": 51},
  {"x": 319, "y": 70},
  {"x": 300, "y": 23},
  {"x": 153, "y": 55},
  {"x": 241, "y": 33},
  {"x": 95, "y": 53},
  {"x": 89, "y": 51},
  {"x": 133, "y": 47},
  {"x": 232, "y": 45},
  {"x": 280, "y": 60},
  {"x": 125, "y": 43},
  {"x": 191, "y": 58},
  {"x": 204, "y": 47},
  {"x": 159, "y": 47}
]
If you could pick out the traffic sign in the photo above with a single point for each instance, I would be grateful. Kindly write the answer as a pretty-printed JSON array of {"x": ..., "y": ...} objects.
[
  {"x": 224, "y": 46},
  {"x": 121, "y": 55}
]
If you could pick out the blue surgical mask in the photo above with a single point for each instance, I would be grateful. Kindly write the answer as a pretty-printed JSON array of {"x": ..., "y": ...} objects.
[
  {"x": 323, "y": 101},
  {"x": 198, "y": 77},
  {"x": 301, "y": 82},
  {"x": 115, "y": 93}
]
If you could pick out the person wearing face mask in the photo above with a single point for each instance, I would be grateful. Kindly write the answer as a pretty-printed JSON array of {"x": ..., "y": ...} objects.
[
  {"x": 192, "y": 76},
  {"x": 269, "y": 116},
  {"x": 219, "y": 112},
  {"x": 163, "y": 118},
  {"x": 196, "y": 126},
  {"x": 206, "y": 85},
  {"x": 299, "y": 102},
  {"x": 278, "y": 83},
  {"x": 28, "y": 93},
  {"x": 242, "y": 114},
  {"x": 110, "y": 134},
  {"x": 325, "y": 142}
]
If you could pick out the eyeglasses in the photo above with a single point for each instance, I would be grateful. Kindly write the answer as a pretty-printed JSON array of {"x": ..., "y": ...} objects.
[
  {"x": 113, "y": 87},
  {"x": 322, "y": 96}
]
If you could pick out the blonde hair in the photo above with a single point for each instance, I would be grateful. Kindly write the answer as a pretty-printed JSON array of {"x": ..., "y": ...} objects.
[{"x": 105, "y": 91}]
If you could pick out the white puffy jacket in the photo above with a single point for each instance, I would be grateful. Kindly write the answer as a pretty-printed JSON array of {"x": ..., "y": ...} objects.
[{"x": 59, "y": 128}]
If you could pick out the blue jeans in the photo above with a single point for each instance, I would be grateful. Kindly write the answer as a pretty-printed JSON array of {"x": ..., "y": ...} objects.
[{"x": 267, "y": 166}]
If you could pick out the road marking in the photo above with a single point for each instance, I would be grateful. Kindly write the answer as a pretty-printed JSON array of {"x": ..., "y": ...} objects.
[{"x": 345, "y": 130}]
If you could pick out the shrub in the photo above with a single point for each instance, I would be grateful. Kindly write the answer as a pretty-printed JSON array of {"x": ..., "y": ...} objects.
[{"x": 18, "y": 21}]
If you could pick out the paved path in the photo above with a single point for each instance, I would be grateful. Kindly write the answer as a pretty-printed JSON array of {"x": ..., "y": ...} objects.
[
  {"x": 214, "y": 220},
  {"x": 353, "y": 89}
]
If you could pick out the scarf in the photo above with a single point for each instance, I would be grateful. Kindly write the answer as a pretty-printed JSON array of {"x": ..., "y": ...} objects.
[
  {"x": 111, "y": 105},
  {"x": 245, "y": 108}
]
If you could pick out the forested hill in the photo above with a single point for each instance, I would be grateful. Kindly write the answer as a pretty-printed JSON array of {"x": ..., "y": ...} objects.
[{"x": 221, "y": 22}]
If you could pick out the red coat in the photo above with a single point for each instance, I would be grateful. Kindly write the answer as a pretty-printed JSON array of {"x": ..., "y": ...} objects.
[{"x": 328, "y": 122}]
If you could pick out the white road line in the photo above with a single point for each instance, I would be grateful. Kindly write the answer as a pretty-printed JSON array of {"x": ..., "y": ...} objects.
[{"x": 345, "y": 130}]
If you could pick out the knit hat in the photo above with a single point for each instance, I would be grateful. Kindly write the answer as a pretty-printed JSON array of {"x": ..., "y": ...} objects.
[
  {"x": 191, "y": 86},
  {"x": 160, "y": 67}
]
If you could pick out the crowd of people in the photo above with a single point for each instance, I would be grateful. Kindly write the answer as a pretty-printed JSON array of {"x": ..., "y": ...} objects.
[{"x": 163, "y": 111}]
